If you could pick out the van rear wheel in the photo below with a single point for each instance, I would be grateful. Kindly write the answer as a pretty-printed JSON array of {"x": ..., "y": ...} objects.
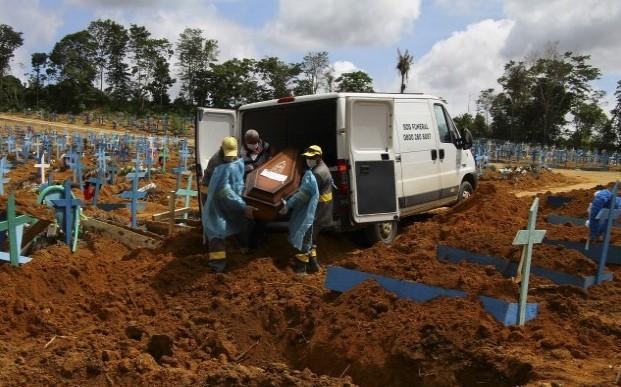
[
  {"x": 465, "y": 191},
  {"x": 384, "y": 232}
]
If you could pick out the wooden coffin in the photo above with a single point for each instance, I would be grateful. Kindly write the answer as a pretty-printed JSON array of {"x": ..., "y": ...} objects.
[{"x": 273, "y": 181}]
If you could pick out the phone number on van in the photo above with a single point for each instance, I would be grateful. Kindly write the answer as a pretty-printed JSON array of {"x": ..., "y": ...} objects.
[{"x": 416, "y": 136}]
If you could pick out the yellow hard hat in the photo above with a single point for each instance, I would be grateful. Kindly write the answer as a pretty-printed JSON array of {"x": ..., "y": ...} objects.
[
  {"x": 229, "y": 146},
  {"x": 312, "y": 151}
]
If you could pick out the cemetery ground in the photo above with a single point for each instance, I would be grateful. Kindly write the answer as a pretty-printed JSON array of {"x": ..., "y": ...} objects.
[{"x": 112, "y": 314}]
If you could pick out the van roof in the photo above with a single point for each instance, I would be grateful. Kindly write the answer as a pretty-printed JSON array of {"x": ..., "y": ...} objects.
[{"x": 316, "y": 97}]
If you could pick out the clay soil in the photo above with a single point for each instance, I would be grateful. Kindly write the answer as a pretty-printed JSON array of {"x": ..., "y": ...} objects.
[{"x": 112, "y": 316}]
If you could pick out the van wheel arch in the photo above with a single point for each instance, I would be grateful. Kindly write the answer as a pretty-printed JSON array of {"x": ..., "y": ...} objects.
[{"x": 384, "y": 232}]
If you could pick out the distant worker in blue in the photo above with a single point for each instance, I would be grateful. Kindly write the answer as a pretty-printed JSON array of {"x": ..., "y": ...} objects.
[
  {"x": 225, "y": 212},
  {"x": 601, "y": 199},
  {"x": 311, "y": 209}
]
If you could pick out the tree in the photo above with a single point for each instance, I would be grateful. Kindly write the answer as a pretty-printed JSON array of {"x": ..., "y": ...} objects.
[
  {"x": 485, "y": 102},
  {"x": 404, "y": 63},
  {"x": 117, "y": 69},
  {"x": 196, "y": 54},
  {"x": 463, "y": 121},
  {"x": 355, "y": 82},
  {"x": 38, "y": 62},
  {"x": 589, "y": 121},
  {"x": 147, "y": 55},
  {"x": 479, "y": 127},
  {"x": 161, "y": 82},
  {"x": 614, "y": 132},
  {"x": 279, "y": 77},
  {"x": 538, "y": 96},
  {"x": 314, "y": 65},
  {"x": 10, "y": 40},
  {"x": 233, "y": 83},
  {"x": 74, "y": 69}
]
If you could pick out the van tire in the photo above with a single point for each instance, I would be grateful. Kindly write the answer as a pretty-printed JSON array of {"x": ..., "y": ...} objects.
[
  {"x": 465, "y": 191},
  {"x": 384, "y": 232}
]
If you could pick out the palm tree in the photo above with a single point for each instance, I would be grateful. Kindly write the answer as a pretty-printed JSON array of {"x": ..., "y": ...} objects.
[{"x": 404, "y": 61}]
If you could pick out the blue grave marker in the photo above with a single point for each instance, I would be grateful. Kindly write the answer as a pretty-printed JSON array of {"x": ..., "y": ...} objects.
[
  {"x": 134, "y": 195},
  {"x": 187, "y": 193},
  {"x": 71, "y": 214},
  {"x": 607, "y": 216},
  {"x": 76, "y": 166},
  {"x": 3, "y": 169},
  {"x": 14, "y": 226}
]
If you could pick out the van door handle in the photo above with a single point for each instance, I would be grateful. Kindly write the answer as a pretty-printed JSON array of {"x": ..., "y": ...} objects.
[
  {"x": 364, "y": 169},
  {"x": 441, "y": 154},
  {"x": 398, "y": 158},
  {"x": 434, "y": 154}
]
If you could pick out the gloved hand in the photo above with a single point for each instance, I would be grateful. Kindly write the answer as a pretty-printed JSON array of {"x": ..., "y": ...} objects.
[
  {"x": 283, "y": 210},
  {"x": 249, "y": 212}
]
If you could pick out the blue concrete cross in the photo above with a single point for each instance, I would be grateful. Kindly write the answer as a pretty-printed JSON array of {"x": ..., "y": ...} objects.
[
  {"x": 134, "y": 195},
  {"x": 14, "y": 227},
  {"x": 98, "y": 182},
  {"x": 609, "y": 216},
  {"x": 76, "y": 166},
  {"x": 3, "y": 169},
  {"x": 71, "y": 208},
  {"x": 187, "y": 193}
]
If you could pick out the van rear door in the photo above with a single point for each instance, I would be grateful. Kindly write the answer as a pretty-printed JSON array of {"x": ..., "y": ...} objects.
[
  {"x": 212, "y": 125},
  {"x": 373, "y": 196}
]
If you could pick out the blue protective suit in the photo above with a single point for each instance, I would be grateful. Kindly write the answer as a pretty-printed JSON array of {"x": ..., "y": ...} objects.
[
  {"x": 601, "y": 200},
  {"x": 223, "y": 210},
  {"x": 303, "y": 205}
]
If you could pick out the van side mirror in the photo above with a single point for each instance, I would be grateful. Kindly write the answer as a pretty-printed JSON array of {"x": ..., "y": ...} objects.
[{"x": 467, "y": 140}]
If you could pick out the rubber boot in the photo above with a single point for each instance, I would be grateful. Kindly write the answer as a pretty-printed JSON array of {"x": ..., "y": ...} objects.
[
  {"x": 217, "y": 265},
  {"x": 313, "y": 264},
  {"x": 299, "y": 264}
]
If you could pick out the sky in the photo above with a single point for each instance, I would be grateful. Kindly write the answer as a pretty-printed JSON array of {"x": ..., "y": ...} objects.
[{"x": 459, "y": 46}]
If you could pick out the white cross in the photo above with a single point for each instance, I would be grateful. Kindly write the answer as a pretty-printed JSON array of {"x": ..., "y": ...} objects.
[
  {"x": 528, "y": 238},
  {"x": 42, "y": 166},
  {"x": 37, "y": 144}
]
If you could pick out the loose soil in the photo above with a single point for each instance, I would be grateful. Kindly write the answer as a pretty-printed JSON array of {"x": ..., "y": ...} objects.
[{"x": 108, "y": 315}]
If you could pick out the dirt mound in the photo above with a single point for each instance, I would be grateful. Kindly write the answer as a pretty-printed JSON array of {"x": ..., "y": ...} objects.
[
  {"x": 525, "y": 177},
  {"x": 108, "y": 315}
]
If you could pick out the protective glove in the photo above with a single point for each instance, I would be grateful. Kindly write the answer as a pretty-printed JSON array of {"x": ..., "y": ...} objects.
[
  {"x": 249, "y": 212},
  {"x": 283, "y": 210}
]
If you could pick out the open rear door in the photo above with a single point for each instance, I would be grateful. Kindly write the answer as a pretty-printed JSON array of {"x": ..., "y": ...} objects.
[
  {"x": 212, "y": 125},
  {"x": 374, "y": 194}
]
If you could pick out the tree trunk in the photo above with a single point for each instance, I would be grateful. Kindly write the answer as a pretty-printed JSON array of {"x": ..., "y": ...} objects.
[{"x": 402, "y": 83}]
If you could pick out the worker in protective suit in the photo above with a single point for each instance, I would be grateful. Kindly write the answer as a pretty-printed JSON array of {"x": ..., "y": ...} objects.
[
  {"x": 225, "y": 212},
  {"x": 601, "y": 200},
  {"x": 303, "y": 205},
  {"x": 323, "y": 212}
]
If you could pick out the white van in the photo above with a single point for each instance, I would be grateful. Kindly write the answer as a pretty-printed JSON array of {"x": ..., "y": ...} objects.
[{"x": 391, "y": 155}]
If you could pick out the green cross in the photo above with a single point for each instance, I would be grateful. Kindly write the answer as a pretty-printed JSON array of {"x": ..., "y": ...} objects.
[
  {"x": 187, "y": 192},
  {"x": 528, "y": 238},
  {"x": 164, "y": 158},
  {"x": 10, "y": 225}
]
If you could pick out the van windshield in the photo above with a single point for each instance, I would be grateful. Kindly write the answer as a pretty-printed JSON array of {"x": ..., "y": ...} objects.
[{"x": 296, "y": 125}]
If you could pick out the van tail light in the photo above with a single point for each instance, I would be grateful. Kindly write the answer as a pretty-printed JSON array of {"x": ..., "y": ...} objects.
[
  {"x": 286, "y": 99},
  {"x": 342, "y": 179}
]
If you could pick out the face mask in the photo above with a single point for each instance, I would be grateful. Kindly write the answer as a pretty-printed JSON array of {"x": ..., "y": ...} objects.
[
  {"x": 311, "y": 163},
  {"x": 252, "y": 147}
]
